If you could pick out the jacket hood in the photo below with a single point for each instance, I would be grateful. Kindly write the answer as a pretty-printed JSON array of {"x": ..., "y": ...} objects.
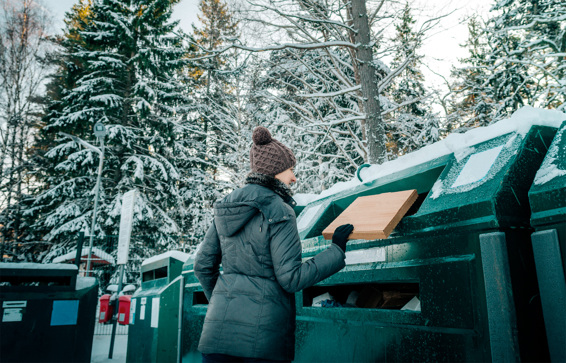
[
  {"x": 235, "y": 210},
  {"x": 230, "y": 218}
]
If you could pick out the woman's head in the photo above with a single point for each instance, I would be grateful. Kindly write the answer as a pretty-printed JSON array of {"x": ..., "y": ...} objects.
[{"x": 270, "y": 157}]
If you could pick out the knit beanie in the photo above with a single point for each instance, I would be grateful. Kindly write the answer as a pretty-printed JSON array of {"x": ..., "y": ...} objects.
[{"x": 267, "y": 155}]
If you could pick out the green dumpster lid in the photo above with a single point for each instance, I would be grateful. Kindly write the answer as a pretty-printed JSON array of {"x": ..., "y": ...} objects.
[
  {"x": 417, "y": 169},
  {"x": 162, "y": 269},
  {"x": 547, "y": 195},
  {"x": 178, "y": 255},
  {"x": 37, "y": 276}
]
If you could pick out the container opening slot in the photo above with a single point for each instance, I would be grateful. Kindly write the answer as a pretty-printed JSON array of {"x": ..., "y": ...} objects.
[
  {"x": 394, "y": 296},
  {"x": 416, "y": 205},
  {"x": 35, "y": 281},
  {"x": 161, "y": 272},
  {"x": 199, "y": 298},
  {"x": 158, "y": 273}
]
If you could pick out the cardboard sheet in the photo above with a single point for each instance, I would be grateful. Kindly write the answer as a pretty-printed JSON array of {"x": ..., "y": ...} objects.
[{"x": 374, "y": 216}]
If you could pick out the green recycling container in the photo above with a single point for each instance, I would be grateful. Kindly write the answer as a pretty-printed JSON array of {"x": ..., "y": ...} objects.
[
  {"x": 195, "y": 306},
  {"x": 48, "y": 313},
  {"x": 456, "y": 279},
  {"x": 547, "y": 198},
  {"x": 154, "y": 331}
]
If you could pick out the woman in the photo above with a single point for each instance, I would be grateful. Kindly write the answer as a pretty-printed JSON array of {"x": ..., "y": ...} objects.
[{"x": 251, "y": 315}]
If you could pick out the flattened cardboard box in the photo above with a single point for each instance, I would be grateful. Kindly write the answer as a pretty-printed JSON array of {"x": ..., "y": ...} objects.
[{"x": 374, "y": 216}]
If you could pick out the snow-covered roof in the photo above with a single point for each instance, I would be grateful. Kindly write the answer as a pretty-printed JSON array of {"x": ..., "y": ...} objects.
[
  {"x": 520, "y": 122},
  {"x": 102, "y": 256},
  {"x": 181, "y": 256},
  {"x": 35, "y": 266}
]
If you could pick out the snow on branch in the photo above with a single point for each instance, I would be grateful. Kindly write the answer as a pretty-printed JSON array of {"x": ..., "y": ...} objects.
[
  {"x": 307, "y": 19},
  {"x": 305, "y": 46},
  {"x": 331, "y": 94}
]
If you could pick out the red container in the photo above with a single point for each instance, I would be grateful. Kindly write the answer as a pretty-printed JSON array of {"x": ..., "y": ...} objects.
[
  {"x": 124, "y": 309},
  {"x": 106, "y": 309}
]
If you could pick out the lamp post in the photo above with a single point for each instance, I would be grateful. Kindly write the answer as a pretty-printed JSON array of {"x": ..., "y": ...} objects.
[{"x": 99, "y": 131}]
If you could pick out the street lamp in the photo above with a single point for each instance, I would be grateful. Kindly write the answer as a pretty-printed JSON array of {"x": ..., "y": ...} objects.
[{"x": 99, "y": 131}]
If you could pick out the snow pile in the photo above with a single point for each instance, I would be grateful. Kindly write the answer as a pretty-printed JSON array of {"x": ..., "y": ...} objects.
[
  {"x": 178, "y": 255},
  {"x": 35, "y": 266},
  {"x": 461, "y": 145},
  {"x": 85, "y": 282},
  {"x": 84, "y": 255}
]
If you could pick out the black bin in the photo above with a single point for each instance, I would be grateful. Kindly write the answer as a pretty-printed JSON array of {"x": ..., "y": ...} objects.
[{"x": 48, "y": 313}]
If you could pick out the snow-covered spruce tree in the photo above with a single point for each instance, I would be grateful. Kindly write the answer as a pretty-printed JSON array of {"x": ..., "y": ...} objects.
[
  {"x": 471, "y": 102},
  {"x": 132, "y": 60},
  {"x": 529, "y": 41},
  {"x": 524, "y": 60},
  {"x": 213, "y": 155},
  {"x": 411, "y": 125}
]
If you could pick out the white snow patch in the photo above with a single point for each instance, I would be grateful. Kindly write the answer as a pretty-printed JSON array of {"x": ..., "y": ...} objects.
[
  {"x": 36, "y": 266},
  {"x": 520, "y": 122},
  {"x": 549, "y": 170},
  {"x": 462, "y": 154},
  {"x": 477, "y": 167},
  {"x": 304, "y": 199},
  {"x": 181, "y": 256},
  {"x": 84, "y": 282},
  {"x": 437, "y": 189},
  {"x": 376, "y": 254},
  {"x": 307, "y": 216},
  {"x": 548, "y": 173}
]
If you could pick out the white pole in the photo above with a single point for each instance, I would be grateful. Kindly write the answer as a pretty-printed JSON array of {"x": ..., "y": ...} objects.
[{"x": 96, "y": 193}]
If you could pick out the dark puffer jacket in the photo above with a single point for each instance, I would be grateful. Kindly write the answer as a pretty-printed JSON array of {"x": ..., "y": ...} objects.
[{"x": 252, "y": 303}]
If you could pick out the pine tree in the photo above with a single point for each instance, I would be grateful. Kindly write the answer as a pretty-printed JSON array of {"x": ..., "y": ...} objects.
[
  {"x": 132, "y": 61},
  {"x": 213, "y": 74},
  {"x": 214, "y": 154},
  {"x": 412, "y": 124},
  {"x": 520, "y": 62},
  {"x": 473, "y": 103}
]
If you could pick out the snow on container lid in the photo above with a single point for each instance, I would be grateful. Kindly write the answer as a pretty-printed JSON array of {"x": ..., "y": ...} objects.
[
  {"x": 37, "y": 277},
  {"x": 181, "y": 256},
  {"x": 547, "y": 195},
  {"x": 520, "y": 122}
]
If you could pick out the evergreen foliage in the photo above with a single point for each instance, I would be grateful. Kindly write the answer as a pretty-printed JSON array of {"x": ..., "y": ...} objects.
[
  {"x": 411, "y": 123},
  {"x": 128, "y": 63},
  {"x": 516, "y": 59}
]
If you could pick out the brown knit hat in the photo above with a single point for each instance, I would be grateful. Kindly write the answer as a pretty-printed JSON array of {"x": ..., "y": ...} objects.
[{"x": 268, "y": 156}]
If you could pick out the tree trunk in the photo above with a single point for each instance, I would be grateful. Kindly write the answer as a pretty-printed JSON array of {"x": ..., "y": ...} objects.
[{"x": 375, "y": 130}]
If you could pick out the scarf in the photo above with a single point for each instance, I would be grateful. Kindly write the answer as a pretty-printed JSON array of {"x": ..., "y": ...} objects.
[{"x": 280, "y": 188}]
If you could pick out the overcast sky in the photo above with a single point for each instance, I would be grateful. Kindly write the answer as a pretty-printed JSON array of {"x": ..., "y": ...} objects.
[{"x": 441, "y": 49}]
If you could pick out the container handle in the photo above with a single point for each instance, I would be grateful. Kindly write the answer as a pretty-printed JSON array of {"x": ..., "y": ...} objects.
[{"x": 359, "y": 169}]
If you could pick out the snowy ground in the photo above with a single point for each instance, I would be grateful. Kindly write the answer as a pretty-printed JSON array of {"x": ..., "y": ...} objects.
[{"x": 101, "y": 346}]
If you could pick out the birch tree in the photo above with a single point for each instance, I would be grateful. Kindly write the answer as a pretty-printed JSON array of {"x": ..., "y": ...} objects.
[{"x": 23, "y": 29}]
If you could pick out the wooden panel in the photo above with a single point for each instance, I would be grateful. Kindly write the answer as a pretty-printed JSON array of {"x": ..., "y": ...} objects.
[{"x": 374, "y": 216}]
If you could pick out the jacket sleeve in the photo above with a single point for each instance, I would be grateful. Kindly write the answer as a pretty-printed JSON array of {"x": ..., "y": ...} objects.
[
  {"x": 207, "y": 261},
  {"x": 293, "y": 274}
]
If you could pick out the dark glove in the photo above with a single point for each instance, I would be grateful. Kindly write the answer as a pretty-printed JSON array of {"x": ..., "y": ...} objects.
[{"x": 340, "y": 236}]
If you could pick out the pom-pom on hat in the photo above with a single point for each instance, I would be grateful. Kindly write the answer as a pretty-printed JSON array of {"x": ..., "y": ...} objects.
[{"x": 269, "y": 156}]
